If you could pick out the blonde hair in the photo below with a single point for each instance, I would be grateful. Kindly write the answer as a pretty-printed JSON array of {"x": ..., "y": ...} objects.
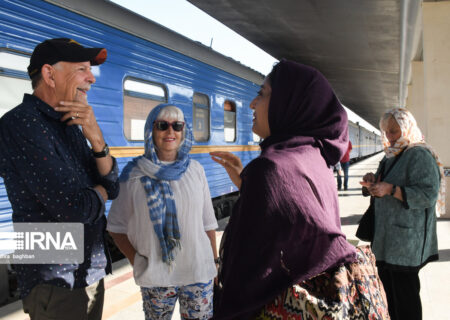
[{"x": 411, "y": 137}]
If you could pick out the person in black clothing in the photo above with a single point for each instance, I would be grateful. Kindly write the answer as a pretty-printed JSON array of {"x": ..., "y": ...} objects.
[{"x": 52, "y": 175}]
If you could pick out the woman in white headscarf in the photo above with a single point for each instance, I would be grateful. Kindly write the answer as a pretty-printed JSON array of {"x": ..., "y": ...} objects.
[{"x": 408, "y": 189}]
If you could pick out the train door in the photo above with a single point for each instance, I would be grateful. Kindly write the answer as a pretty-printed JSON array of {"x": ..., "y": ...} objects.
[
  {"x": 360, "y": 141},
  {"x": 200, "y": 117},
  {"x": 14, "y": 82},
  {"x": 229, "y": 120}
]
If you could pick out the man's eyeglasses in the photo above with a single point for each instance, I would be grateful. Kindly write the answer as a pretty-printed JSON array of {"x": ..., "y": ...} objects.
[{"x": 164, "y": 125}]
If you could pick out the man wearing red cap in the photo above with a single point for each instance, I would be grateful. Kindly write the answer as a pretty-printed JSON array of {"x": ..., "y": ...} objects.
[{"x": 52, "y": 175}]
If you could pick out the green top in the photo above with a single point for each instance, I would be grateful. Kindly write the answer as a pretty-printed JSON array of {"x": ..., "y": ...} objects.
[{"x": 405, "y": 232}]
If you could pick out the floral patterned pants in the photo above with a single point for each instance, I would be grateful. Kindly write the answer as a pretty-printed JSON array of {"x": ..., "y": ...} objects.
[{"x": 196, "y": 301}]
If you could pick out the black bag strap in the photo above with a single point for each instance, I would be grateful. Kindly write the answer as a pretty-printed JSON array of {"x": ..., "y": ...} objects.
[{"x": 382, "y": 174}]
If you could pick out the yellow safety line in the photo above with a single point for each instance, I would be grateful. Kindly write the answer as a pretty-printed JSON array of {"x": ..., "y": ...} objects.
[{"x": 121, "y": 152}]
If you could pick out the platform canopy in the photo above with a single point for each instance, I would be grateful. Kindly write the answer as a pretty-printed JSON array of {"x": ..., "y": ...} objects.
[{"x": 363, "y": 47}]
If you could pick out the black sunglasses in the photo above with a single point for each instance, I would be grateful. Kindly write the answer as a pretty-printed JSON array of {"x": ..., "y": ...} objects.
[{"x": 164, "y": 125}]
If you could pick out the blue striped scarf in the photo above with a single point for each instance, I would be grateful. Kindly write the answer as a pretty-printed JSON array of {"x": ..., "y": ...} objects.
[{"x": 160, "y": 200}]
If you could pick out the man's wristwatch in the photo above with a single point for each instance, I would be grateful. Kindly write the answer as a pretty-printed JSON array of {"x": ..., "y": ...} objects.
[
  {"x": 394, "y": 188},
  {"x": 217, "y": 260},
  {"x": 102, "y": 153}
]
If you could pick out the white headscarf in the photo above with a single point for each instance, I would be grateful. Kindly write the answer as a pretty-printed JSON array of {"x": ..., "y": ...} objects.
[{"x": 412, "y": 137}]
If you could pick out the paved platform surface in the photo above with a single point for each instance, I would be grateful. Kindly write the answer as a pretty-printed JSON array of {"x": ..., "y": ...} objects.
[{"x": 123, "y": 298}]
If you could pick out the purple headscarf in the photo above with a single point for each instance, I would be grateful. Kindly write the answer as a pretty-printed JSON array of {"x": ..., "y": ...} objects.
[
  {"x": 285, "y": 227},
  {"x": 303, "y": 104}
]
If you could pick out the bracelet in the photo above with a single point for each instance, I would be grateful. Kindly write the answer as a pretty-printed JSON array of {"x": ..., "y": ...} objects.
[{"x": 394, "y": 188}]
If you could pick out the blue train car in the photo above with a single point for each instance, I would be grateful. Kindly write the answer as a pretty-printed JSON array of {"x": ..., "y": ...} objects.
[
  {"x": 365, "y": 143},
  {"x": 147, "y": 64}
]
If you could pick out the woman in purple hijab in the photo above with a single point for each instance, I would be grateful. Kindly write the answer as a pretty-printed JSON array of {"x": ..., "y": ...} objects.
[{"x": 283, "y": 253}]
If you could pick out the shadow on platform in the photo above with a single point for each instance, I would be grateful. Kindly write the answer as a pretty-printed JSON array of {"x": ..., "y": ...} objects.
[
  {"x": 351, "y": 220},
  {"x": 346, "y": 194},
  {"x": 444, "y": 255}
]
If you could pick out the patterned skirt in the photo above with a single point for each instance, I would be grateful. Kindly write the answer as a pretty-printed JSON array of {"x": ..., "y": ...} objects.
[{"x": 352, "y": 291}]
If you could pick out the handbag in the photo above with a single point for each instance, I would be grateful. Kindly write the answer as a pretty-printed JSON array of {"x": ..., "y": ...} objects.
[{"x": 366, "y": 227}]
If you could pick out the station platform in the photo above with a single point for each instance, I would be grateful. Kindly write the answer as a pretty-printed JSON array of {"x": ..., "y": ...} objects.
[{"x": 123, "y": 298}]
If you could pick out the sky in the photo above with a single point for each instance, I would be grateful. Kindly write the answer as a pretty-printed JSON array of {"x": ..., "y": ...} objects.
[{"x": 186, "y": 19}]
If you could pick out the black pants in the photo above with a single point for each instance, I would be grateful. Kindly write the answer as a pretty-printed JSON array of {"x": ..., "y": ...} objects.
[
  {"x": 48, "y": 302},
  {"x": 403, "y": 293}
]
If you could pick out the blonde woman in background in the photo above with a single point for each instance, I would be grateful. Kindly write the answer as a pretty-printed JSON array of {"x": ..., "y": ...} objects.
[{"x": 407, "y": 201}]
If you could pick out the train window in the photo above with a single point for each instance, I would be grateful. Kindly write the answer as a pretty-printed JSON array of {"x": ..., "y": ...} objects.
[
  {"x": 200, "y": 110},
  {"x": 14, "y": 80},
  {"x": 13, "y": 61},
  {"x": 229, "y": 120},
  {"x": 139, "y": 98}
]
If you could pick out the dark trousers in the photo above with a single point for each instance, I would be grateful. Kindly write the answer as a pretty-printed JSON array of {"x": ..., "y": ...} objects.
[
  {"x": 403, "y": 293},
  {"x": 345, "y": 167},
  {"x": 49, "y": 302}
]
